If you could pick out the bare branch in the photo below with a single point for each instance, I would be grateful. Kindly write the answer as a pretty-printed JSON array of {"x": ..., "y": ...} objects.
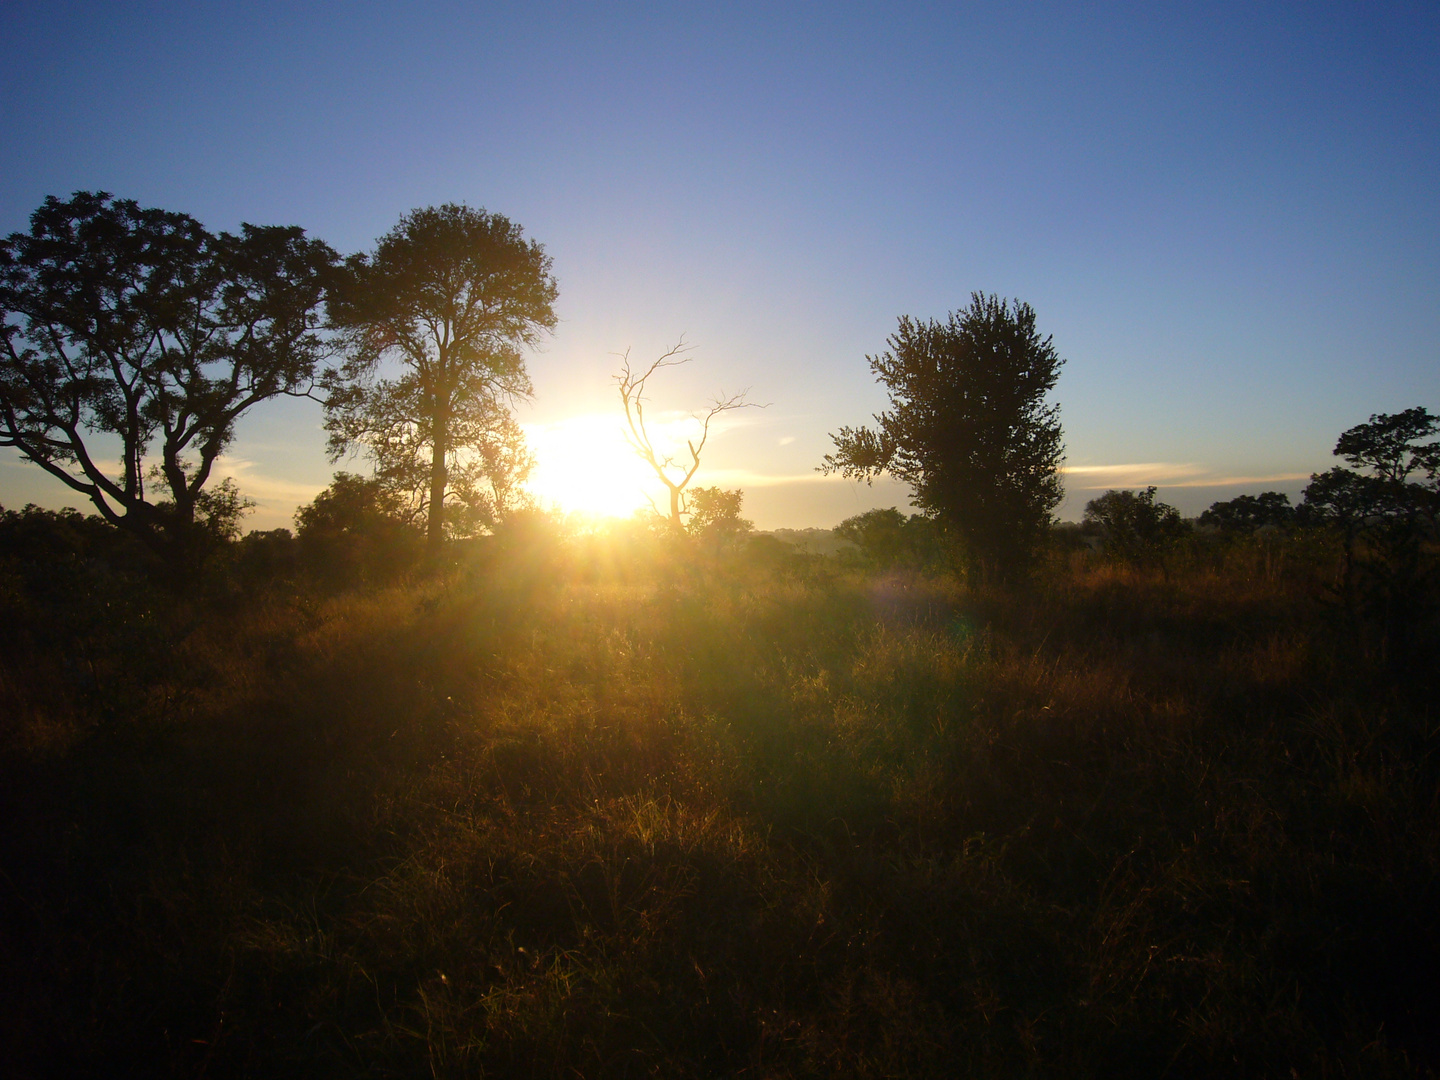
[{"x": 632, "y": 385}]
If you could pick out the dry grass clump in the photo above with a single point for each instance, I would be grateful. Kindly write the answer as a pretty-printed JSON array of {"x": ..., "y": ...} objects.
[{"x": 554, "y": 817}]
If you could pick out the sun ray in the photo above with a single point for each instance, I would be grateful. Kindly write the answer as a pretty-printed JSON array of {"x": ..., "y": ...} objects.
[{"x": 584, "y": 465}]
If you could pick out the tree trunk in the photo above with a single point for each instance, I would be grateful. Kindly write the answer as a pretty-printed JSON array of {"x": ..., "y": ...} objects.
[
  {"x": 675, "y": 521},
  {"x": 435, "y": 531}
]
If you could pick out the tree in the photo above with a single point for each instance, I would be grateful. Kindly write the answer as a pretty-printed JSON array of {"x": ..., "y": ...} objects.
[
  {"x": 968, "y": 428},
  {"x": 1390, "y": 447},
  {"x": 673, "y": 473},
  {"x": 453, "y": 294},
  {"x": 1401, "y": 482},
  {"x": 1136, "y": 527},
  {"x": 1384, "y": 515},
  {"x": 138, "y": 327},
  {"x": 715, "y": 516},
  {"x": 357, "y": 530},
  {"x": 1246, "y": 513},
  {"x": 887, "y": 538}
]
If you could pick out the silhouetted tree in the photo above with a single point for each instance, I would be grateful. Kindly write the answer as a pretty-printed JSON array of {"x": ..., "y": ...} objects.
[
  {"x": 887, "y": 538},
  {"x": 1135, "y": 526},
  {"x": 968, "y": 428},
  {"x": 357, "y": 529},
  {"x": 878, "y": 534},
  {"x": 266, "y": 556},
  {"x": 139, "y": 326},
  {"x": 674, "y": 474},
  {"x": 1246, "y": 513},
  {"x": 38, "y": 538},
  {"x": 1390, "y": 446},
  {"x": 453, "y": 294},
  {"x": 1385, "y": 516},
  {"x": 1400, "y": 484}
]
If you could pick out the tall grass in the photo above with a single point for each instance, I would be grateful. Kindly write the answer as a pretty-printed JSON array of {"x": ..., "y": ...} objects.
[{"x": 578, "y": 811}]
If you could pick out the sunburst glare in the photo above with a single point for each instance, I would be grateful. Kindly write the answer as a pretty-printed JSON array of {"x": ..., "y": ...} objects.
[{"x": 584, "y": 465}]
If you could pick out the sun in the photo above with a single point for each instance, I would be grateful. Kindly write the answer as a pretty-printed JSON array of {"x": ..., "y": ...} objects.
[{"x": 584, "y": 465}]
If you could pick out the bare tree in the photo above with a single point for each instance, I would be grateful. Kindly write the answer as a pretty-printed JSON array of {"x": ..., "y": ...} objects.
[{"x": 671, "y": 471}]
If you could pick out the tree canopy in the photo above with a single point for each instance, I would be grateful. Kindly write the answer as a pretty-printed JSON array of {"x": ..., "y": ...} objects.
[
  {"x": 968, "y": 428},
  {"x": 139, "y": 327},
  {"x": 1246, "y": 513},
  {"x": 1386, "y": 509},
  {"x": 1394, "y": 474},
  {"x": 715, "y": 516},
  {"x": 1135, "y": 525},
  {"x": 887, "y": 538},
  {"x": 453, "y": 294},
  {"x": 357, "y": 530}
]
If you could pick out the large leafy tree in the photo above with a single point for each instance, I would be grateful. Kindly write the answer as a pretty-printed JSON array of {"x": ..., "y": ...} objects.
[
  {"x": 968, "y": 428},
  {"x": 437, "y": 318},
  {"x": 1386, "y": 509},
  {"x": 1393, "y": 479},
  {"x": 715, "y": 516},
  {"x": 357, "y": 530},
  {"x": 135, "y": 335}
]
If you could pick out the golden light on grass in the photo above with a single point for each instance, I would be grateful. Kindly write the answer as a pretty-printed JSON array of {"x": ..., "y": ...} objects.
[{"x": 584, "y": 465}]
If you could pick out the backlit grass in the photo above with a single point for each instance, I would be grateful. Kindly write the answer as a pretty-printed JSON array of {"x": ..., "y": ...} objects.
[{"x": 565, "y": 812}]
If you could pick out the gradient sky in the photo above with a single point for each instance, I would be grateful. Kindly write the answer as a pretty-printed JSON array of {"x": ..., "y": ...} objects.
[{"x": 1227, "y": 215}]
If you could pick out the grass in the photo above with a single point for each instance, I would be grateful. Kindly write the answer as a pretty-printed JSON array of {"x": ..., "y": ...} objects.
[{"x": 565, "y": 813}]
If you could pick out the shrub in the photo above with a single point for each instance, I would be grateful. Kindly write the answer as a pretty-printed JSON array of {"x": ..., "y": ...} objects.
[{"x": 1136, "y": 528}]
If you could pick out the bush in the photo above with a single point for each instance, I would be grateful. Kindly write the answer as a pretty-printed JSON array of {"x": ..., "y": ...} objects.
[
  {"x": 356, "y": 532},
  {"x": 1136, "y": 528}
]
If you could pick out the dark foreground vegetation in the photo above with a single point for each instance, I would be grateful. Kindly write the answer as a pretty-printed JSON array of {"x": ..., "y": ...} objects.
[{"x": 599, "y": 807}]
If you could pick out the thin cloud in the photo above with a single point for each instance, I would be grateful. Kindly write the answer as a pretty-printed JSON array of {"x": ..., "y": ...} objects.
[
  {"x": 742, "y": 478},
  {"x": 1163, "y": 474},
  {"x": 268, "y": 491},
  {"x": 1141, "y": 470},
  {"x": 1227, "y": 481}
]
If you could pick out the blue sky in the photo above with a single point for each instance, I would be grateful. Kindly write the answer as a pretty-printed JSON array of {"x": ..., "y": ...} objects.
[{"x": 1228, "y": 216}]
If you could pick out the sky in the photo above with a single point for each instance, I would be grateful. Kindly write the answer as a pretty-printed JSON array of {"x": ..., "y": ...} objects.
[{"x": 1227, "y": 216}]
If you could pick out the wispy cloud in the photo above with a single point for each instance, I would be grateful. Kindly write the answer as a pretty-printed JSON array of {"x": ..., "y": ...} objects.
[
  {"x": 744, "y": 478},
  {"x": 270, "y": 492},
  {"x": 1228, "y": 481},
  {"x": 1163, "y": 474}
]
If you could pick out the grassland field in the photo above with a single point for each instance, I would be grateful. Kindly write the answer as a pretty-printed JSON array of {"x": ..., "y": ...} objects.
[{"x": 575, "y": 809}]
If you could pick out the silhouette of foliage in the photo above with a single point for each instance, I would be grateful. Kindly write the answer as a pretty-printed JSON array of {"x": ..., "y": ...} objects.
[
  {"x": 139, "y": 325},
  {"x": 1400, "y": 487},
  {"x": 453, "y": 295},
  {"x": 1246, "y": 513},
  {"x": 35, "y": 533},
  {"x": 266, "y": 557},
  {"x": 1135, "y": 526},
  {"x": 1390, "y": 447},
  {"x": 968, "y": 428},
  {"x": 887, "y": 538},
  {"x": 1386, "y": 516},
  {"x": 357, "y": 530}
]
